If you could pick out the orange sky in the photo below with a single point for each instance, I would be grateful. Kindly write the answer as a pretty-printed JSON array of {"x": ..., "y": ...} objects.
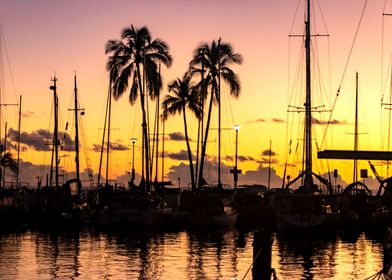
[{"x": 43, "y": 37}]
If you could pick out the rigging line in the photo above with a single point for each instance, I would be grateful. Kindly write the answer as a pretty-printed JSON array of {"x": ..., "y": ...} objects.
[
  {"x": 382, "y": 74},
  {"x": 384, "y": 87},
  {"x": 229, "y": 104},
  {"x": 383, "y": 92},
  {"x": 295, "y": 16},
  {"x": 322, "y": 16},
  {"x": 8, "y": 60},
  {"x": 288, "y": 71},
  {"x": 382, "y": 51},
  {"x": 297, "y": 77},
  {"x": 344, "y": 71}
]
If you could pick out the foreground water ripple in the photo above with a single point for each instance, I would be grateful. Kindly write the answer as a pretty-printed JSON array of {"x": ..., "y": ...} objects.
[{"x": 203, "y": 254}]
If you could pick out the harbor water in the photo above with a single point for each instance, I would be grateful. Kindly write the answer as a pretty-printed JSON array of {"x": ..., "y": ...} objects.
[{"x": 201, "y": 254}]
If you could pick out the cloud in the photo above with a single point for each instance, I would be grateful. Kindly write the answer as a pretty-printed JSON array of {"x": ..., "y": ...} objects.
[
  {"x": 267, "y": 161},
  {"x": 256, "y": 121},
  {"x": 41, "y": 139},
  {"x": 177, "y": 136},
  {"x": 229, "y": 158},
  {"x": 268, "y": 152},
  {"x": 246, "y": 158},
  {"x": 276, "y": 120},
  {"x": 38, "y": 140},
  {"x": 28, "y": 114},
  {"x": 67, "y": 144},
  {"x": 29, "y": 173},
  {"x": 181, "y": 155},
  {"x": 239, "y": 158},
  {"x": 118, "y": 147},
  {"x": 113, "y": 147},
  {"x": 258, "y": 176},
  {"x": 332, "y": 122}
]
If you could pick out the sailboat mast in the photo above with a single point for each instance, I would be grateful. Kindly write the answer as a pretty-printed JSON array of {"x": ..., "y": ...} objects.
[
  {"x": 103, "y": 136},
  {"x": 355, "y": 175},
  {"x": 55, "y": 134},
  {"x": 76, "y": 131},
  {"x": 157, "y": 132},
  {"x": 108, "y": 139},
  {"x": 163, "y": 150},
  {"x": 308, "y": 106},
  {"x": 5, "y": 150},
  {"x": 19, "y": 127},
  {"x": 219, "y": 118}
]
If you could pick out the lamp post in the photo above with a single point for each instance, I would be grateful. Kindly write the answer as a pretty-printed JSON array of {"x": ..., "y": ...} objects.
[
  {"x": 133, "y": 140},
  {"x": 235, "y": 171}
]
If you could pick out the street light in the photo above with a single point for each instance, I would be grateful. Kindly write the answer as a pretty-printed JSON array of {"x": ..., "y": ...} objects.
[
  {"x": 235, "y": 170},
  {"x": 133, "y": 140}
]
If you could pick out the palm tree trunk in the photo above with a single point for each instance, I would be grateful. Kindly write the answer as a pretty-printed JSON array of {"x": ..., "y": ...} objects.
[
  {"x": 203, "y": 151},
  {"x": 144, "y": 126},
  {"x": 197, "y": 151},
  {"x": 189, "y": 151}
]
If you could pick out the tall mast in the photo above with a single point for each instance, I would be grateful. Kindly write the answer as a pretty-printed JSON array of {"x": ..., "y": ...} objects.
[
  {"x": 108, "y": 139},
  {"x": 163, "y": 150},
  {"x": 355, "y": 175},
  {"x": 55, "y": 133},
  {"x": 103, "y": 136},
  {"x": 219, "y": 118},
  {"x": 5, "y": 149},
  {"x": 19, "y": 127},
  {"x": 76, "y": 131},
  {"x": 308, "y": 106},
  {"x": 157, "y": 132}
]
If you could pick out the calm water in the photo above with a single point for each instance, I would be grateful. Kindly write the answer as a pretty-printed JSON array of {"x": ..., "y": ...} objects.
[{"x": 207, "y": 254}]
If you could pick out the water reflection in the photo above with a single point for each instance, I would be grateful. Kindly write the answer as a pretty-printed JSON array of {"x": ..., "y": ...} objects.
[
  {"x": 212, "y": 255},
  {"x": 201, "y": 254},
  {"x": 314, "y": 257}
]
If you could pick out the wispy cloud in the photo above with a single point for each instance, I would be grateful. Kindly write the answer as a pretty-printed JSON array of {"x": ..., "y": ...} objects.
[
  {"x": 113, "y": 147},
  {"x": 240, "y": 158},
  {"x": 256, "y": 121},
  {"x": 267, "y": 161},
  {"x": 276, "y": 120},
  {"x": 332, "y": 122},
  {"x": 246, "y": 158},
  {"x": 28, "y": 114}
]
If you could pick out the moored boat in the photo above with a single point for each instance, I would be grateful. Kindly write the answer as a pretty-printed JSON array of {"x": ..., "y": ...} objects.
[{"x": 212, "y": 207}]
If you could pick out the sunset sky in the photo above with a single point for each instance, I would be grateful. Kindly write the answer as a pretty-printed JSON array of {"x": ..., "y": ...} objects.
[{"x": 43, "y": 37}]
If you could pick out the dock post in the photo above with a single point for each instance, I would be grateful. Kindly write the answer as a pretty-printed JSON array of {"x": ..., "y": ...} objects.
[
  {"x": 262, "y": 247},
  {"x": 387, "y": 248}
]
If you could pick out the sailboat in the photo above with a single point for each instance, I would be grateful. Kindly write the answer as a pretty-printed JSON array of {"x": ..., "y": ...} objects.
[
  {"x": 307, "y": 208},
  {"x": 53, "y": 202},
  {"x": 116, "y": 205}
]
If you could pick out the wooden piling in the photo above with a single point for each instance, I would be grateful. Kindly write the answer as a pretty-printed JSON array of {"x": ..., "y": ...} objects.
[{"x": 262, "y": 247}]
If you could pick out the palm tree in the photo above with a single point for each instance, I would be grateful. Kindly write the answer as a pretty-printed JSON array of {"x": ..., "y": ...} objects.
[
  {"x": 134, "y": 58},
  {"x": 6, "y": 160},
  {"x": 212, "y": 62},
  {"x": 185, "y": 96}
]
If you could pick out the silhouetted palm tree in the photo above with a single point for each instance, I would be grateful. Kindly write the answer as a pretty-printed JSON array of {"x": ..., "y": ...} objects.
[
  {"x": 214, "y": 61},
  {"x": 6, "y": 160},
  {"x": 185, "y": 96},
  {"x": 135, "y": 56}
]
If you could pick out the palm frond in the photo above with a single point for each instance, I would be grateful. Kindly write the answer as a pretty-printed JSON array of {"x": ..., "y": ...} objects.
[{"x": 7, "y": 161}]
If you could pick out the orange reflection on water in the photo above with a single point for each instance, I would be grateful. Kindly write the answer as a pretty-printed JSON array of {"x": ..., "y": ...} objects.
[{"x": 202, "y": 254}]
